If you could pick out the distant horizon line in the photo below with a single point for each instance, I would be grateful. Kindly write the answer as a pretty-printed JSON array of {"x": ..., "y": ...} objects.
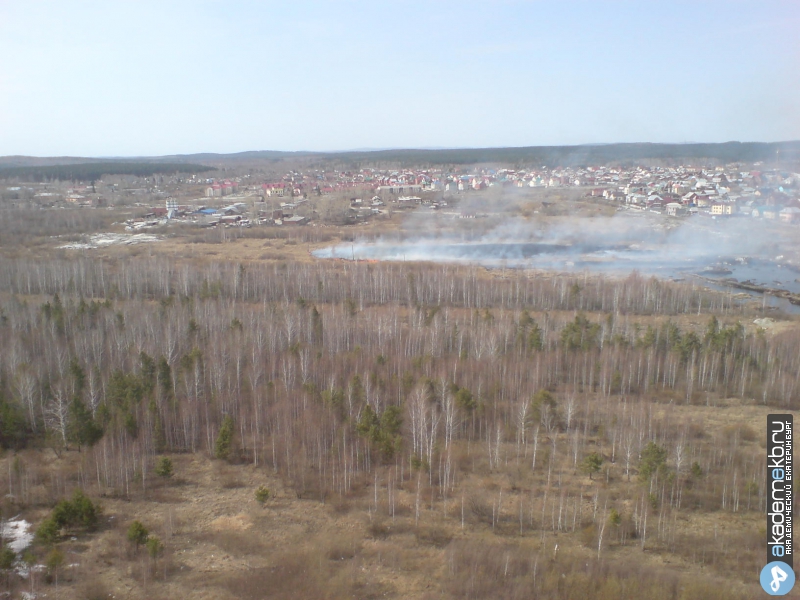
[{"x": 383, "y": 149}]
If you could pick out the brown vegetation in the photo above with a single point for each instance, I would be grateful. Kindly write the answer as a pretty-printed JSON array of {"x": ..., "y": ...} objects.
[{"x": 423, "y": 430}]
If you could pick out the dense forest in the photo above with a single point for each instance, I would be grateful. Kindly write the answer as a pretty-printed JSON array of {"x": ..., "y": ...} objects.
[
  {"x": 583, "y": 155},
  {"x": 92, "y": 171},
  {"x": 354, "y": 380},
  {"x": 536, "y": 156}
]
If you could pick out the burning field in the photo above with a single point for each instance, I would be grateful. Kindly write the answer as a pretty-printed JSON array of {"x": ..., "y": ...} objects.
[{"x": 719, "y": 253}]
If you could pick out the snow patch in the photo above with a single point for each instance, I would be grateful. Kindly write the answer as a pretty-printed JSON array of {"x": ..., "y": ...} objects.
[
  {"x": 17, "y": 534},
  {"x": 100, "y": 240}
]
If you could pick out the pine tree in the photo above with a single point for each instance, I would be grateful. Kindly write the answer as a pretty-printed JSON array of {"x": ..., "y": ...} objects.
[
  {"x": 654, "y": 459},
  {"x": 154, "y": 547},
  {"x": 592, "y": 463},
  {"x": 164, "y": 467},
  {"x": 82, "y": 429},
  {"x": 224, "y": 443},
  {"x": 137, "y": 534}
]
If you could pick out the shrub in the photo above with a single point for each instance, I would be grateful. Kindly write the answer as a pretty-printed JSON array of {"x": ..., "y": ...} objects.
[
  {"x": 94, "y": 589},
  {"x": 224, "y": 443},
  {"x": 262, "y": 494},
  {"x": 592, "y": 464},
  {"x": 384, "y": 431},
  {"x": 437, "y": 537},
  {"x": 137, "y": 534},
  {"x": 83, "y": 430},
  {"x": 164, "y": 467},
  {"x": 378, "y": 530},
  {"x": 80, "y": 513},
  {"x": 614, "y": 517},
  {"x": 589, "y": 536},
  {"x": 48, "y": 532},
  {"x": 85, "y": 513},
  {"x": 7, "y": 558},
  {"x": 63, "y": 514},
  {"x": 654, "y": 459},
  {"x": 154, "y": 547},
  {"x": 54, "y": 560}
]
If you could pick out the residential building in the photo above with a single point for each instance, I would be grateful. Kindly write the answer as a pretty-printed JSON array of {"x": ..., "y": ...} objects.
[{"x": 718, "y": 208}]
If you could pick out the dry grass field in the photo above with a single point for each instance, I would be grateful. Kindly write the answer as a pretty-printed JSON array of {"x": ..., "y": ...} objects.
[{"x": 221, "y": 543}]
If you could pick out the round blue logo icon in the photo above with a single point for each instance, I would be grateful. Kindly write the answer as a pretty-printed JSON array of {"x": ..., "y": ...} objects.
[{"x": 777, "y": 578}]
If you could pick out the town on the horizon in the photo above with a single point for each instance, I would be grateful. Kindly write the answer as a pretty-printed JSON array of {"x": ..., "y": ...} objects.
[{"x": 242, "y": 199}]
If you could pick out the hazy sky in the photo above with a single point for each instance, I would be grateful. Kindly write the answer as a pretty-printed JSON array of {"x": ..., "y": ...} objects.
[{"x": 119, "y": 77}]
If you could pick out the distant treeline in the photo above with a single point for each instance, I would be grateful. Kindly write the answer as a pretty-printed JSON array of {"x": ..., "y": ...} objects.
[
  {"x": 529, "y": 156},
  {"x": 586, "y": 155},
  {"x": 537, "y": 156},
  {"x": 94, "y": 171}
]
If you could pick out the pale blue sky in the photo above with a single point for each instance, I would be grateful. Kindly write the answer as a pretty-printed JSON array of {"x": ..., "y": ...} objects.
[{"x": 120, "y": 77}]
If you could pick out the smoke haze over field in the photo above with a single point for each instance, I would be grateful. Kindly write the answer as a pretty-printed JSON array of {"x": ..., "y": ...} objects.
[
  {"x": 638, "y": 236},
  {"x": 630, "y": 240}
]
